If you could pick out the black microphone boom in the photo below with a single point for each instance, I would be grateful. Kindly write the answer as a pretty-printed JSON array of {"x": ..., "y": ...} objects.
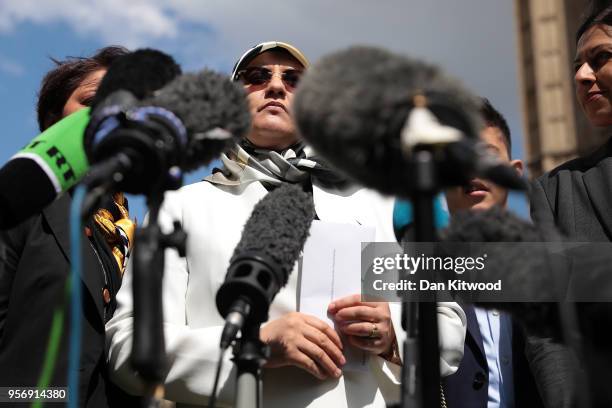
[{"x": 271, "y": 242}]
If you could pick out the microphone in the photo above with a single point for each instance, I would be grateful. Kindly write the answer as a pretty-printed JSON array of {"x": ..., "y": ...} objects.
[
  {"x": 496, "y": 225},
  {"x": 50, "y": 164},
  {"x": 362, "y": 108},
  {"x": 527, "y": 271},
  {"x": 528, "y": 275},
  {"x": 581, "y": 319},
  {"x": 141, "y": 73},
  {"x": 566, "y": 271},
  {"x": 271, "y": 242},
  {"x": 55, "y": 161},
  {"x": 145, "y": 146}
]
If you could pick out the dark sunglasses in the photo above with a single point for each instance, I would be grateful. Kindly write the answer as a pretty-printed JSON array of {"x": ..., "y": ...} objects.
[{"x": 260, "y": 76}]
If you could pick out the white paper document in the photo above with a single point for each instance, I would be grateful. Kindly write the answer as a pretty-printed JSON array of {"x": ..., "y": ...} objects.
[{"x": 331, "y": 269}]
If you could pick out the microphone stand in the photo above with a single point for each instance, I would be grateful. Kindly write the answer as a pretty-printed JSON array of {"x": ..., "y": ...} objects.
[
  {"x": 421, "y": 369},
  {"x": 148, "y": 350},
  {"x": 431, "y": 168},
  {"x": 250, "y": 354}
]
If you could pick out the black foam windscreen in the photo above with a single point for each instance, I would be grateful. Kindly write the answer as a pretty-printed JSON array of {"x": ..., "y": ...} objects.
[
  {"x": 527, "y": 271},
  {"x": 271, "y": 242},
  {"x": 278, "y": 227},
  {"x": 581, "y": 321},
  {"x": 493, "y": 225},
  {"x": 205, "y": 101},
  {"x": 140, "y": 72},
  {"x": 130, "y": 78},
  {"x": 352, "y": 105}
]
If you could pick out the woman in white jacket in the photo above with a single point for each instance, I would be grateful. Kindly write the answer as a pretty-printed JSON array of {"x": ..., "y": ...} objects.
[{"x": 305, "y": 368}]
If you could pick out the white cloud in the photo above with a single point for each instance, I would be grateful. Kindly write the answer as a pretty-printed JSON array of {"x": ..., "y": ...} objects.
[
  {"x": 10, "y": 67},
  {"x": 113, "y": 21}
]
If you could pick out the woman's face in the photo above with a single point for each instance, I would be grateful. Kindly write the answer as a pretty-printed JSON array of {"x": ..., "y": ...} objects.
[
  {"x": 270, "y": 102},
  {"x": 84, "y": 93},
  {"x": 593, "y": 67}
]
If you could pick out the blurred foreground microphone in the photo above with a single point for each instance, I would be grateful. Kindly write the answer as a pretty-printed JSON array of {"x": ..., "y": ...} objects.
[
  {"x": 55, "y": 160},
  {"x": 144, "y": 147},
  {"x": 141, "y": 73},
  {"x": 545, "y": 269},
  {"x": 366, "y": 110},
  {"x": 527, "y": 271},
  {"x": 270, "y": 245},
  {"x": 578, "y": 280}
]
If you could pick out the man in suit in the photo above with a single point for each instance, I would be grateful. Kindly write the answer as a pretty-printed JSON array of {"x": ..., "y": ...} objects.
[{"x": 493, "y": 372}]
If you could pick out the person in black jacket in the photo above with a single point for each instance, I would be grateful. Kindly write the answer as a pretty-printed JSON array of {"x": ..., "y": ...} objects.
[
  {"x": 35, "y": 262},
  {"x": 577, "y": 198}
]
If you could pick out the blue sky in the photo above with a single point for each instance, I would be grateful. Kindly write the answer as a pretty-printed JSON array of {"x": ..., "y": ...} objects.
[{"x": 472, "y": 39}]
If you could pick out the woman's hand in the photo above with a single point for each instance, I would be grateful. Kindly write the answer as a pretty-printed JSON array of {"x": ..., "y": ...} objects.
[
  {"x": 367, "y": 325},
  {"x": 304, "y": 341}
]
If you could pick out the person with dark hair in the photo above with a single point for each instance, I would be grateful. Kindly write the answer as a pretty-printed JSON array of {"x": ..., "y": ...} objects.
[
  {"x": 72, "y": 86},
  {"x": 482, "y": 194},
  {"x": 577, "y": 198},
  {"x": 306, "y": 364},
  {"x": 35, "y": 263},
  {"x": 494, "y": 372},
  {"x": 494, "y": 119},
  {"x": 57, "y": 97}
]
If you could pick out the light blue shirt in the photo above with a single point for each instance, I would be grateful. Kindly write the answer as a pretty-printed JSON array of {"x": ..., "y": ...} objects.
[{"x": 496, "y": 332}]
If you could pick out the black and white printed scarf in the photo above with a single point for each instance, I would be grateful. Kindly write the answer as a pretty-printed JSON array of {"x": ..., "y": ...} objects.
[{"x": 246, "y": 163}]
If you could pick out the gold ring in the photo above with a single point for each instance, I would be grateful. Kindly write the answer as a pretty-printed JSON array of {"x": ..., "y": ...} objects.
[{"x": 373, "y": 333}]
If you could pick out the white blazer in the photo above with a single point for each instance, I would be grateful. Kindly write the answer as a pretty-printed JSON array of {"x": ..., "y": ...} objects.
[{"x": 213, "y": 218}]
